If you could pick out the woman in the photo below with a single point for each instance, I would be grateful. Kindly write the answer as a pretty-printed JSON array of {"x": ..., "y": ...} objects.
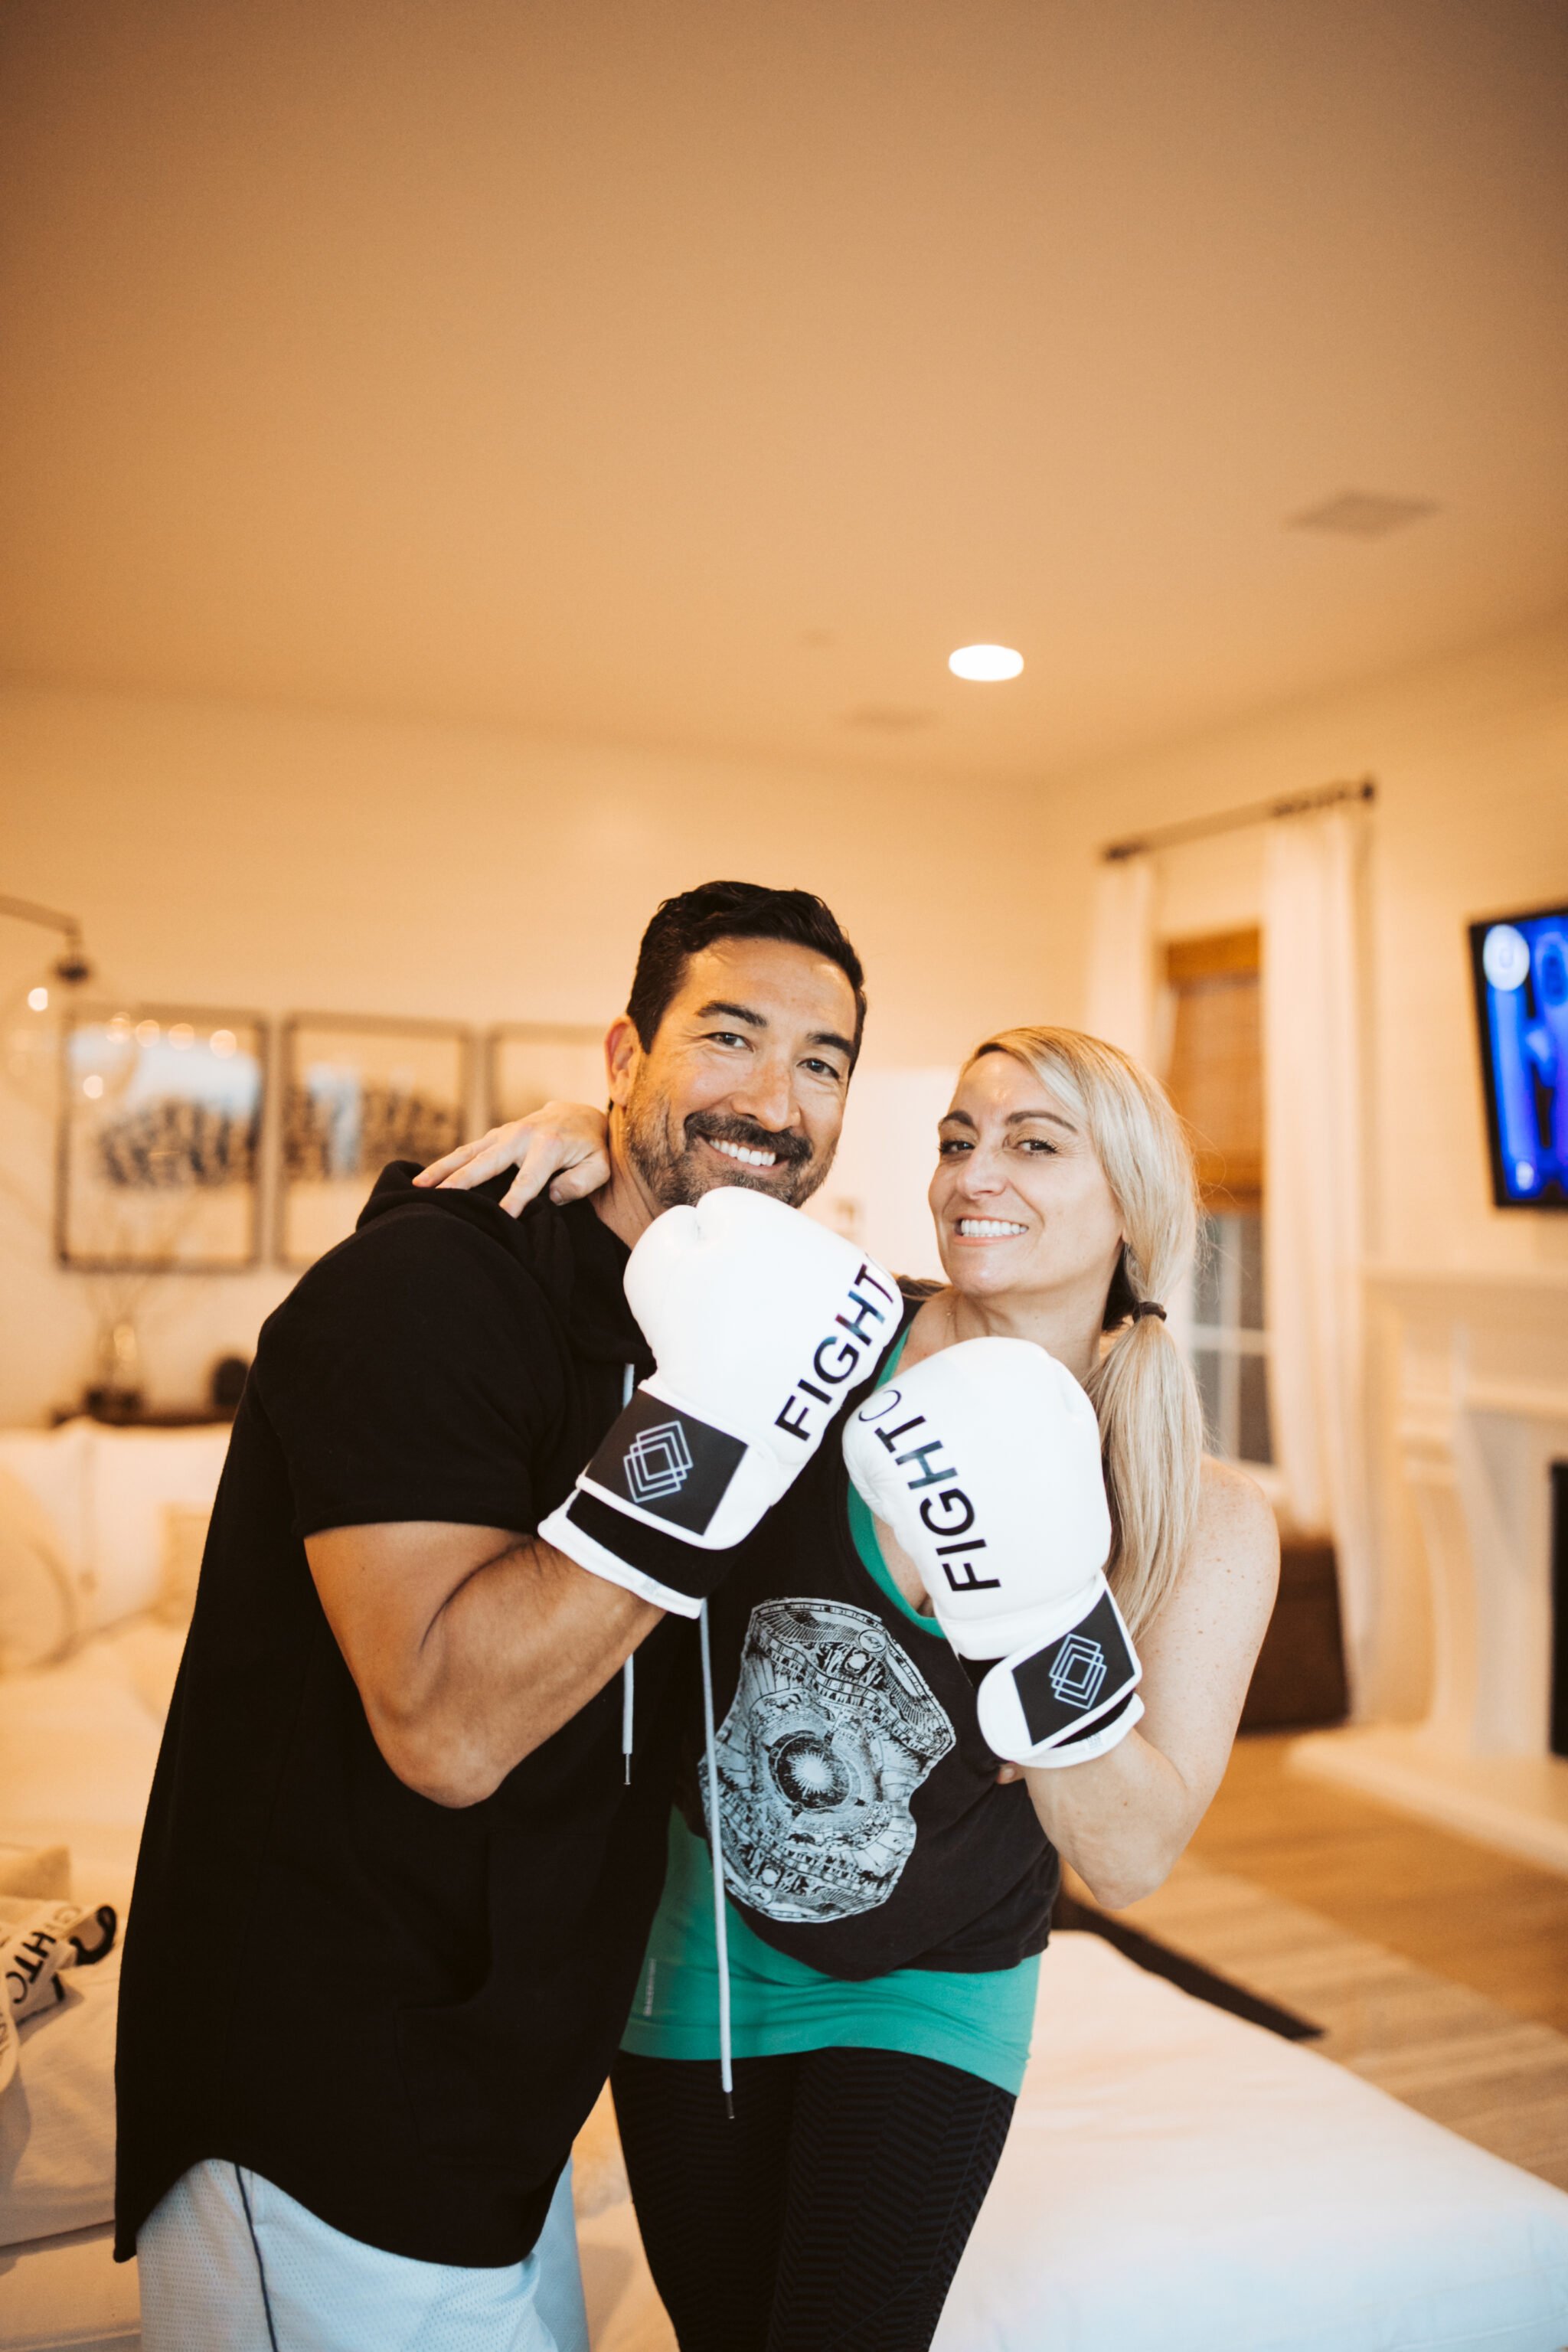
[{"x": 890, "y": 1888}]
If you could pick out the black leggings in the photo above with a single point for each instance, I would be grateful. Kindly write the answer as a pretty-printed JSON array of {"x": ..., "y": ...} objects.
[{"x": 832, "y": 2210}]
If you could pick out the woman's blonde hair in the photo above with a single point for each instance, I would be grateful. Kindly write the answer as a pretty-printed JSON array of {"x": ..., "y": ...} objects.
[{"x": 1150, "y": 1423}]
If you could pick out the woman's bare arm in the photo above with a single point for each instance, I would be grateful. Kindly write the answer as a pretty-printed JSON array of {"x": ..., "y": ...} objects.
[
  {"x": 1124, "y": 1819},
  {"x": 560, "y": 1144}
]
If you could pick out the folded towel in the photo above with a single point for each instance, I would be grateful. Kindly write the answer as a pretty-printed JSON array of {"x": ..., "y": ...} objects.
[{"x": 41, "y": 1944}]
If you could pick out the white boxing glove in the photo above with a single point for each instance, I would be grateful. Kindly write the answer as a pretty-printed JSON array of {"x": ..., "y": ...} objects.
[
  {"x": 760, "y": 1321},
  {"x": 985, "y": 1461}
]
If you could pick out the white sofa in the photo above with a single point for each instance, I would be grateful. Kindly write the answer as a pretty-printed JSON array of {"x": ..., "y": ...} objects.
[
  {"x": 1175, "y": 2181},
  {"x": 114, "y": 1531}
]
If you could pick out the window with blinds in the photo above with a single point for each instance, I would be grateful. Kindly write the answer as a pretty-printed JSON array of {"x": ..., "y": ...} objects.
[{"x": 1215, "y": 1077}]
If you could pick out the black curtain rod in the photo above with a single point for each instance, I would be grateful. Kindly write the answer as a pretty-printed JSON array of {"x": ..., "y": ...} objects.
[{"x": 1197, "y": 828}]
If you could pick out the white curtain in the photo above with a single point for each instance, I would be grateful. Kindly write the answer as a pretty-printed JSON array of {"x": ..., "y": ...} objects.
[
  {"x": 1120, "y": 1004},
  {"x": 1314, "y": 1225}
]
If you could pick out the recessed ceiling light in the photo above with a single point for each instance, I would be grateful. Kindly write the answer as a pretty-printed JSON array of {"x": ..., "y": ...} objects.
[
  {"x": 1364, "y": 514},
  {"x": 985, "y": 663}
]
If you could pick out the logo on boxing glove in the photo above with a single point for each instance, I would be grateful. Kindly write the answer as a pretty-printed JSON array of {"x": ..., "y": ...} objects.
[
  {"x": 947, "y": 1512},
  {"x": 666, "y": 1462},
  {"x": 658, "y": 1462},
  {"x": 1077, "y": 1672}
]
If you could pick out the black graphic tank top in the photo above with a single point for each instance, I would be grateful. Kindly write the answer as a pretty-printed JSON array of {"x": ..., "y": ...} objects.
[{"x": 863, "y": 1828}]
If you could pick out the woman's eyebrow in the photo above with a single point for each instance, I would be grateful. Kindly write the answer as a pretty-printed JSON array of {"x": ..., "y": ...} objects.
[
  {"x": 1015, "y": 1119},
  {"x": 1021, "y": 1117}
]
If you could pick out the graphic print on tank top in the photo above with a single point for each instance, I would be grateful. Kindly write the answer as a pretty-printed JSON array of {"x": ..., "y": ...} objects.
[{"x": 831, "y": 1731}]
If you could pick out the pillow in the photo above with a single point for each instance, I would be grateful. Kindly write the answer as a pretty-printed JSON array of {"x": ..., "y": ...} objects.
[
  {"x": 134, "y": 1474},
  {"x": 52, "y": 1463},
  {"x": 57, "y": 2118},
  {"x": 184, "y": 1540},
  {"x": 37, "y": 1591},
  {"x": 38, "y": 1871}
]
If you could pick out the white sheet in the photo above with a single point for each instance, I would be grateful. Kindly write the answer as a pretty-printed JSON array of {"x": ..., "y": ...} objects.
[
  {"x": 1177, "y": 2181},
  {"x": 57, "y": 2117},
  {"x": 68, "y": 2295}
]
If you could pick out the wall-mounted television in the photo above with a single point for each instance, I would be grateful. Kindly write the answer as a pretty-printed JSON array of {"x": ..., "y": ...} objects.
[{"x": 1521, "y": 966}]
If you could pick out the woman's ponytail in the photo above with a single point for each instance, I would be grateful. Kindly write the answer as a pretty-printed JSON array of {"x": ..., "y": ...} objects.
[{"x": 1150, "y": 1422}]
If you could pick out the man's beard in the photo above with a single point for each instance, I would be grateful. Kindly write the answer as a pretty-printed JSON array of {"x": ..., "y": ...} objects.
[{"x": 678, "y": 1178}]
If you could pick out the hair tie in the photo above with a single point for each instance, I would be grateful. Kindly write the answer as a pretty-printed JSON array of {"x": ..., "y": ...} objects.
[{"x": 1143, "y": 1306}]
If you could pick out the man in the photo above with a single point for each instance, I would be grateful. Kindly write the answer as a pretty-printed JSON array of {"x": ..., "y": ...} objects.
[{"x": 396, "y": 1875}]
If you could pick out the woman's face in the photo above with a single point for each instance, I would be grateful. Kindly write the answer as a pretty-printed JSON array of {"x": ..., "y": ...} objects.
[{"x": 1021, "y": 1201}]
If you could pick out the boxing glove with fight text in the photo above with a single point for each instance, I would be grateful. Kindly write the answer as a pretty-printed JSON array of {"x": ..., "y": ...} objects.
[
  {"x": 985, "y": 1461},
  {"x": 760, "y": 1321}
]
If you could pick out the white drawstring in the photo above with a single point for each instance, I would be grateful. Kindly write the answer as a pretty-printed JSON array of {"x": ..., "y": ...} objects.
[
  {"x": 629, "y": 1677},
  {"x": 720, "y": 1935}
]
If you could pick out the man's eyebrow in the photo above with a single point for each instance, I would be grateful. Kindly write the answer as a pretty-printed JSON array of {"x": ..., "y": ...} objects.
[
  {"x": 753, "y": 1020},
  {"x": 831, "y": 1038}
]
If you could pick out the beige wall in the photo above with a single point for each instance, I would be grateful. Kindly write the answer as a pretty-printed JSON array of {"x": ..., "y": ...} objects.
[{"x": 284, "y": 861}]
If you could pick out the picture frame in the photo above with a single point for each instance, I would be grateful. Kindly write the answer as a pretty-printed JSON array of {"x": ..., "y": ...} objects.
[
  {"x": 162, "y": 1110},
  {"x": 359, "y": 1090},
  {"x": 528, "y": 1063}
]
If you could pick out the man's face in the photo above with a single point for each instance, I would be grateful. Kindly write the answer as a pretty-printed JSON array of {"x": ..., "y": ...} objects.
[{"x": 745, "y": 1079}]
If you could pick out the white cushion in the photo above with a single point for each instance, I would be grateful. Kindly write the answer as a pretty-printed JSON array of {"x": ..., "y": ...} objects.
[
  {"x": 69, "y": 2294},
  {"x": 53, "y": 1465},
  {"x": 38, "y": 1589},
  {"x": 57, "y": 2116},
  {"x": 1174, "y": 2178},
  {"x": 135, "y": 1474},
  {"x": 35, "y": 1870},
  {"x": 185, "y": 1529}
]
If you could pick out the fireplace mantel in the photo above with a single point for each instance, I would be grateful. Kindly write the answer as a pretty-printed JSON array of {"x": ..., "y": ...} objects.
[{"x": 1482, "y": 1413}]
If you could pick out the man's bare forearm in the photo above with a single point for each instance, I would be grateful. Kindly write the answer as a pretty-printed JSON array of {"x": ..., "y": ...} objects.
[{"x": 522, "y": 1643}]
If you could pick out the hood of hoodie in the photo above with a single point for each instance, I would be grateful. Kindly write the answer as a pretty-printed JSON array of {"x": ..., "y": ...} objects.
[{"x": 577, "y": 1261}]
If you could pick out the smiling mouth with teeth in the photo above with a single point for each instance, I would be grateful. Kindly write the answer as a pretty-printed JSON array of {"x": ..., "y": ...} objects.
[
  {"x": 747, "y": 1157},
  {"x": 987, "y": 1229}
]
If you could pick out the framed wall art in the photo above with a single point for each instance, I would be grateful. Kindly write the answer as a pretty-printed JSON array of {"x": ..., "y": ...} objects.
[
  {"x": 160, "y": 1141},
  {"x": 357, "y": 1092},
  {"x": 529, "y": 1062}
]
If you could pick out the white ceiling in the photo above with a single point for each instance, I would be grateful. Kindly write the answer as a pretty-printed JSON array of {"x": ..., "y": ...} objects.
[{"x": 701, "y": 373}]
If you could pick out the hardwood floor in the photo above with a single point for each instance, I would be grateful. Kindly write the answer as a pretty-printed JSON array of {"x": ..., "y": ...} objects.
[
  {"x": 1463, "y": 1910},
  {"x": 1438, "y": 1967}
]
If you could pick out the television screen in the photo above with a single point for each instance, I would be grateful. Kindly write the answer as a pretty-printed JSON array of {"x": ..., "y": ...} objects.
[{"x": 1521, "y": 964}]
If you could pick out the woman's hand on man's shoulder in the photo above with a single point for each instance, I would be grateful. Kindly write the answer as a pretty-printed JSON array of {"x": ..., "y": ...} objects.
[{"x": 563, "y": 1145}]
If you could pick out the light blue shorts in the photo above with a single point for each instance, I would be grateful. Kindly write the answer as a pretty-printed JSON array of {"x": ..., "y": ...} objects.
[{"x": 227, "y": 2259}]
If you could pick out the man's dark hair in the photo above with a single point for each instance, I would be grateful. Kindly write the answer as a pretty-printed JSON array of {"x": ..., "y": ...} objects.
[{"x": 731, "y": 910}]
